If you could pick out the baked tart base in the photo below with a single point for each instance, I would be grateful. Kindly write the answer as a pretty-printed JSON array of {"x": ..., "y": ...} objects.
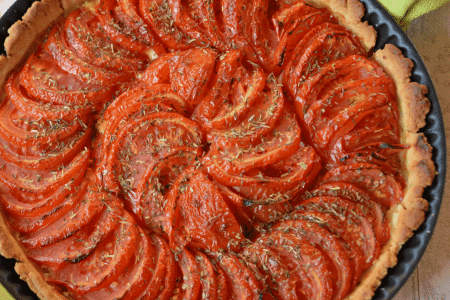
[{"x": 416, "y": 161}]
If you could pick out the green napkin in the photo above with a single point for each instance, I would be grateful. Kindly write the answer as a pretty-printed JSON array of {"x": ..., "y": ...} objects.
[
  {"x": 4, "y": 295},
  {"x": 404, "y": 11}
]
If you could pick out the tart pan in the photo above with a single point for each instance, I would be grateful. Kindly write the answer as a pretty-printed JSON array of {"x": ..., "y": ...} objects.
[{"x": 410, "y": 254}]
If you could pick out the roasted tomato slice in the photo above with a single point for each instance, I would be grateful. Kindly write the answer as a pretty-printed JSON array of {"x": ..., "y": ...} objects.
[
  {"x": 373, "y": 211},
  {"x": 325, "y": 261},
  {"x": 186, "y": 71},
  {"x": 105, "y": 264},
  {"x": 383, "y": 187},
  {"x": 83, "y": 242},
  {"x": 158, "y": 15},
  {"x": 241, "y": 281},
  {"x": 208, "y": 276},
  {"x": 142, "y": 141},
  {"x": 283, "y": 284},
  {"x": 37, "y": 109},
  {"x": 351, "y": 223},
  {"x": 218, "y": 87},
  {"x": 44, "y": 80},
  {"x": 201, "y": 213}
]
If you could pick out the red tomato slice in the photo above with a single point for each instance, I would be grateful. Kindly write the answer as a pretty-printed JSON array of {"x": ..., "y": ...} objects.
[
  {"x": 293, "y": 31},
  {"x": 44, "y": 80},
  {"x": 281, "y": 142},
  {"x": 259, "y": 121},
  {"x": 20, "y": 129},
  {"x": 324, "y": 43},
  {"x": 382, "y": 187},
  {"x": 158, "y": 16},
  {"x": 191, "y": 283},
  {"x": 372, "y": 210},
  {"x": 206, "y": 12},
  {"x": 105, "y": 264},
  {"x": 203, "y": 215},
  {"x": 331, "y": 75},
  {"x": 351, "y": 222},
  {"x": 157, "y": 135},
  {"x": 249, "y": 97},
  {"x": 236, "y": 24},
  {"x": 208, "y": 277},
  {"x": 283, "y": 284},
  {"x": 329, "y": 268},
  {"x": 132, "y": 283},
  {"x": 26, "y": 204},
  {"x": 35, "y": 227},
  {"x": 83, "y": 242},
  {"x": 120, "y": 28},
  {"x": 84, "y": 33},
  {"x": 161, "y": 261},
  {"x": 67, "y": 59},
  {"x": 129, "y": 15},
  {"x": 218, "y": 87},
  {"x": 29, "y": 106},
  {"x": 242, "y": 282},
  {"x": 41, "y": 181}
]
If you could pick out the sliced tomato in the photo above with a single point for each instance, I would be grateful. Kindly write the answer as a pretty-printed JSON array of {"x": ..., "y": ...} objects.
[
  {"x": 382, "y": 187},
  {"x": 282, "y": 142},
  {"x": 218, "y": 88},
  {"x": 293, "y": 30},
  {"x": 222, "y": 290},
  {"x": 206, "y": 13},
  {"x": 41, "y": 181},
  {"x": 156, "y": 136},
  {"x": 242, "y": 282},
  {"x": 246, "y": 100},
  {"x": 351, "y": 223},
  {"x": 32, "y": 107},
  {"x": 68, "y": 60},
  {"x": 209, "y": 280},
  {"x": 269, "y": 187},
  {"x": 84, "y": 33},
  {"x": 105, "y": 264},
  {"x": 83, "y": 242},
  {"x": 132, "y": 283},
  {"x": 259, "y": 121},
  {"x": 34, "y": 228},
  {"x": 191, "y": 285},
  {"x": 306, "y": 261},
  {"x": 327, "y": 263},
  {"x": 236, "y": 24},
  {"x": 44, "y": 80},
  {"x": 372, "y": 210},
  {"x": 28, "y": 204},
  {"x": 324, "y": 43},
  {"x": 158, "y": 15},
  {"x": 282, "y": 282},
  {"x": 202, "y": 214},
  {"x": 333, "y": 74}
]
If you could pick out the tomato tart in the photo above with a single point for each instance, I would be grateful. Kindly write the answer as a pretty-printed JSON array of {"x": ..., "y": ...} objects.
[{"x": 207, "y": 149}]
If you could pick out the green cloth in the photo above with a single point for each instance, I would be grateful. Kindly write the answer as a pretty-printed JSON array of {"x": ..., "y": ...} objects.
[{"x": 404, "y": 11}]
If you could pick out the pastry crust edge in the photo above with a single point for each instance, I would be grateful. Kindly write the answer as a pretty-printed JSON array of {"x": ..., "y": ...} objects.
[{"x": 413, "y": 106}]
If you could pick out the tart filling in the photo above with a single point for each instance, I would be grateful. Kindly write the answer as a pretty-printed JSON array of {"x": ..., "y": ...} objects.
[{"x": 207, "y": 149}]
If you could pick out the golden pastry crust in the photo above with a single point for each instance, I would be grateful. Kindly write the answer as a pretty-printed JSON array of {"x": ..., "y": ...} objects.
[
  {"x": 25, "y": 34},
  {"x": 417, "y": 164},
  {"x": 349, "y": 14}
]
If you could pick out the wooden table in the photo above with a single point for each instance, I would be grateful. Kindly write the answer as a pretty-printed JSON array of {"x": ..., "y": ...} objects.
[{"x": 430, "y": 35}]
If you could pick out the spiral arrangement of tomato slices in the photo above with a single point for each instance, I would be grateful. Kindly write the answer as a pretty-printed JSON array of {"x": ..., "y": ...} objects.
[{"x": 200, "y": 150}]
